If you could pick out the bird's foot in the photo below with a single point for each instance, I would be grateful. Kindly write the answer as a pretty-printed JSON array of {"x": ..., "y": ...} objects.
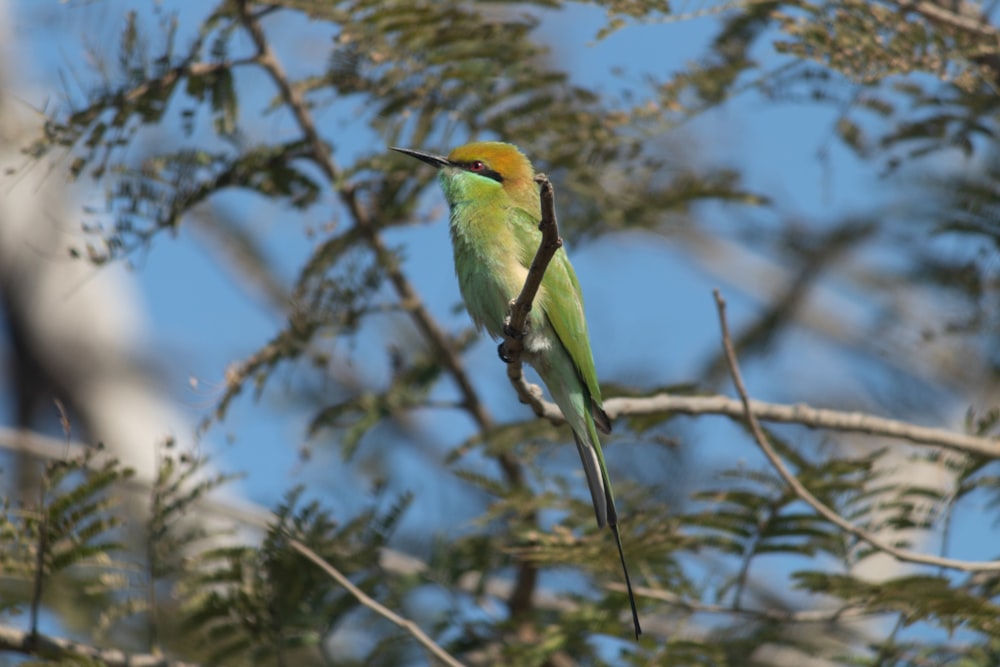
[
  {"x": 513, "y": 333},
  {"x": 513, "y": 337},
  {"x": 505, "y": 355}
]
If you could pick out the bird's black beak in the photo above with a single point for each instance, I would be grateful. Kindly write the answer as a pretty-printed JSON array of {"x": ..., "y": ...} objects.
[{"x": 433, "y": 160}]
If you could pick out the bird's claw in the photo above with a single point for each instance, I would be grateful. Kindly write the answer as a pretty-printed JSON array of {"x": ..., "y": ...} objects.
[
  {"x": 512, "y": 334},
  {"x": 516, "y": 334},
  {"x": 505, "y": 355}
]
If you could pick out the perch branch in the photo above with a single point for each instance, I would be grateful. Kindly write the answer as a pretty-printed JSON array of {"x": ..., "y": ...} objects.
[
  {"x": 804, "y": 494},
  {"x": 805, "y": 415},
  {"x": 517, "y": 325},
  {"x": 802, "y": 414}
]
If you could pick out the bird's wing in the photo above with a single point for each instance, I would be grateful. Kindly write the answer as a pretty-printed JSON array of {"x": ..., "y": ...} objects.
[{"x": 564, "y": 307}]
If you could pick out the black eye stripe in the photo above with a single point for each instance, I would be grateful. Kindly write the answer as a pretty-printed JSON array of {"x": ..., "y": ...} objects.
[{"x": 485, "y": 171}]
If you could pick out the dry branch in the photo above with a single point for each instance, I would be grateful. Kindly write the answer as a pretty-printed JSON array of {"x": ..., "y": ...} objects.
[
  {"x": 805, "y": 495},
  {"x": 516, "y": 327},
  {"x": 801, "y": 414}
]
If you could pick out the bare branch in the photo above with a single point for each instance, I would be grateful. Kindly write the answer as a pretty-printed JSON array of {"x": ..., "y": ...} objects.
[
  {"x": 805, "y": 495},
  {"x": 802, "y": 414},
  {"x": 805, "y": 415},
  {"x": 376, "y": 606},
  {"x": 26, "y": 643},
  {"x": 517, "y": 326}
]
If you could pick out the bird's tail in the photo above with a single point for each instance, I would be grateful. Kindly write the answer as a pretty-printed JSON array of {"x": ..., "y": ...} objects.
[
  {"x": 597, "y": 479},
  {"x": 603, "y": 499}
]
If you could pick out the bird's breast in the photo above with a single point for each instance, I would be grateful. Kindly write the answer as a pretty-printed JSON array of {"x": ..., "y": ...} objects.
[{"x": 487, "y": 263}]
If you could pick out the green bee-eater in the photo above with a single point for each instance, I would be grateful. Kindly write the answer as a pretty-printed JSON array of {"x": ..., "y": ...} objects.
[{"x": 495, "y": 210}]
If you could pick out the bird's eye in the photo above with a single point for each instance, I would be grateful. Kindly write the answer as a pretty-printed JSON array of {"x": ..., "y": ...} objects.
[{"x": 481, "y": 168}]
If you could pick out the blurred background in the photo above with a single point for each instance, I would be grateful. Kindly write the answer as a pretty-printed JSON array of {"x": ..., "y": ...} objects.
[{"x": 211, "y": 266}]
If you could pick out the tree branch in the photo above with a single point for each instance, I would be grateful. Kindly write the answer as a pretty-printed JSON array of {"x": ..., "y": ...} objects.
[
  {"x": 801, "y": 414},
  {"x": 26, "y": 643},
  {"x": 375, "y": 605},
  {"x": 805, "y": 415},
  {"x": 805, "y": 495},
  {"x": 517, "y": 326}
]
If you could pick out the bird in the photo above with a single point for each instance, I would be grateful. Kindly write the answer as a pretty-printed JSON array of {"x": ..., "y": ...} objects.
[{"x": 495, "y": 211}]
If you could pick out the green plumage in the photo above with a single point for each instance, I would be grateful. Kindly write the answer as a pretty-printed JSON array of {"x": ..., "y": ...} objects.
[
  {"x": 494, "y": 242},
  {"x": 495, "y": 211}
]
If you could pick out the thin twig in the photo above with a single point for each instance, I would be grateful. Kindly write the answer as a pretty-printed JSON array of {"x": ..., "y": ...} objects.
[
  {"x": 805, "y": 495},
  {"x": 376, "y": 606},
  {"x": 517, "y": 326},
  {"x": 26, "y": 643}
]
